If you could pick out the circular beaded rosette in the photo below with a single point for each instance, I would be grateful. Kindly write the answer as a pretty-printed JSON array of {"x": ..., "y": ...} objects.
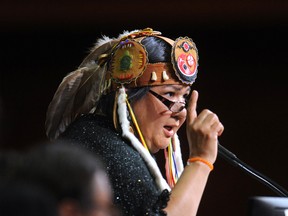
[
  {"x": 128, "y": 62},
  {"x": 184, "y": 58}
]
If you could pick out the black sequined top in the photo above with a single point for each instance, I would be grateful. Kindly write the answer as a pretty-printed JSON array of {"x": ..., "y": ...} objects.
[{"x": 135, "y": 191}]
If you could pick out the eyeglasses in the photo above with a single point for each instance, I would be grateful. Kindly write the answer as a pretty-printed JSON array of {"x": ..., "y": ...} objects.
[{"x": 173, "y": 106}]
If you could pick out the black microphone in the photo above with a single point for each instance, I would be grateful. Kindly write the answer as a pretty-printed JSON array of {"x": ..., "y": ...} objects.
[{"x": 232, "y": 159}]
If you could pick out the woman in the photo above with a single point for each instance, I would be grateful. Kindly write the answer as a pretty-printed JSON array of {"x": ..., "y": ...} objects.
[{"x": 126, "y": 102}]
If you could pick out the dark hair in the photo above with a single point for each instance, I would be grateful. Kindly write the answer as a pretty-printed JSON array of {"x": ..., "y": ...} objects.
[
  {"x": 158, "y": 50},
  {"x": 65, "y": 170},
  {"x": 106, "y": 103}
]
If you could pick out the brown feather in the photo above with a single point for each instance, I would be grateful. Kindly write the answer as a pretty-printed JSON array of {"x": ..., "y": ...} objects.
[{"x": 79, "y": 91}]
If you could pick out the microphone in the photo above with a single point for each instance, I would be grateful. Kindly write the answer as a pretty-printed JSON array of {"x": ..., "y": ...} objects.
[{"x": 232, "y": 159}]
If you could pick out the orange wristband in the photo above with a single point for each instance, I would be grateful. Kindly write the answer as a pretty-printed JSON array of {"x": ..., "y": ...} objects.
[{"x": 191, "y": 160}]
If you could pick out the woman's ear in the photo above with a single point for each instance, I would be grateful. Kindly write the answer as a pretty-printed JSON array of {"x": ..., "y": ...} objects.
[{"x": 69, "y": 208}]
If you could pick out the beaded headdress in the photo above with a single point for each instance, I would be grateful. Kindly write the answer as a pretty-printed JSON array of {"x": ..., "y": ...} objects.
[{"x": 115, "y": 64}]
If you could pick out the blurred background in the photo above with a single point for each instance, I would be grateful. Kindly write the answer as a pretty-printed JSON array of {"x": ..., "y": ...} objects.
[{"x": 242, "y": 75}]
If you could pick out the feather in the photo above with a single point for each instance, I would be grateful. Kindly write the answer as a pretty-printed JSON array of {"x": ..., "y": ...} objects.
[
  {"x": 104, "y": 43},
  {"x": 98, "y": 50},
  {"x": 105, "y": 39},
  {"x": 78, "y": 93}
]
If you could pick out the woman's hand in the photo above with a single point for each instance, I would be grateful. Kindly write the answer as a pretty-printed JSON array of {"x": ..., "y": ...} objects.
[{"x": 202, "y": 131}]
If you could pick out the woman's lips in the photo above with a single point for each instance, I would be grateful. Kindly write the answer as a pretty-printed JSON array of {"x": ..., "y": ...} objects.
[{"x": 168, "y": 131}]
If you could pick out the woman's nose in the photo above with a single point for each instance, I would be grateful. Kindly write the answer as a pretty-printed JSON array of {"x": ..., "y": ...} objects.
[{"x": 179, "y": 115}]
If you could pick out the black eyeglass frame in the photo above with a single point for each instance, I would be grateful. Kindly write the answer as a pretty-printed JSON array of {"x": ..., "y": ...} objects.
[{"x": 168, "y": 103}]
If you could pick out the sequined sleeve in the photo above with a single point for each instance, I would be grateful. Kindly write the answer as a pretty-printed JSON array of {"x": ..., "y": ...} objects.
[
  {"x": 135, "y": 191},
  {"x": 161, "y": 204}
]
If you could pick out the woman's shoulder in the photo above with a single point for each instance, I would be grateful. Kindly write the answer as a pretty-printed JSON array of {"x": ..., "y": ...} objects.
[
  {"x": 90, "y": 121},
  {"x": 90, "y": 125},
  {"x": 97, "y": 134}
]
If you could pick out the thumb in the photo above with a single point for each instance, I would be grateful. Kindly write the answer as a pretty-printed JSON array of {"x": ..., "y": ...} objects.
[{"x": 191, "y": 109}]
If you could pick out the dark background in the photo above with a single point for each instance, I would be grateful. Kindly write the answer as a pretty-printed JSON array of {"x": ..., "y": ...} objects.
[{"x": 242, "y": 75}]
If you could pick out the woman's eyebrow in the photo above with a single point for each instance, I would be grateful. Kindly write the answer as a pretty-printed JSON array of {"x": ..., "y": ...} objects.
[{"x": 174, "y": 87}]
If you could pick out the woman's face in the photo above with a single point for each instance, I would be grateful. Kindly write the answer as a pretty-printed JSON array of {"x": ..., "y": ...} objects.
[{"x": 157, "y": 123}]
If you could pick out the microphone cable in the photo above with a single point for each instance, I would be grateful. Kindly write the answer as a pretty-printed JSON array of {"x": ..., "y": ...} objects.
[{"x": 232, "y": 159}]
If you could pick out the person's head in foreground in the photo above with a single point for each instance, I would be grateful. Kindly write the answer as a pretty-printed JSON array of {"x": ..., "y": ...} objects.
[{"x": 70, "y": 176}]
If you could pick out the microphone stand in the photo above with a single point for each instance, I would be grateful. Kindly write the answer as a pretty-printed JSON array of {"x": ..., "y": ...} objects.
[{"x": 232, "y": 159}]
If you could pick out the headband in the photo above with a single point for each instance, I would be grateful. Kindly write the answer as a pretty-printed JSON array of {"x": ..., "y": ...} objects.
[{"x": 129, "y": 64}]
